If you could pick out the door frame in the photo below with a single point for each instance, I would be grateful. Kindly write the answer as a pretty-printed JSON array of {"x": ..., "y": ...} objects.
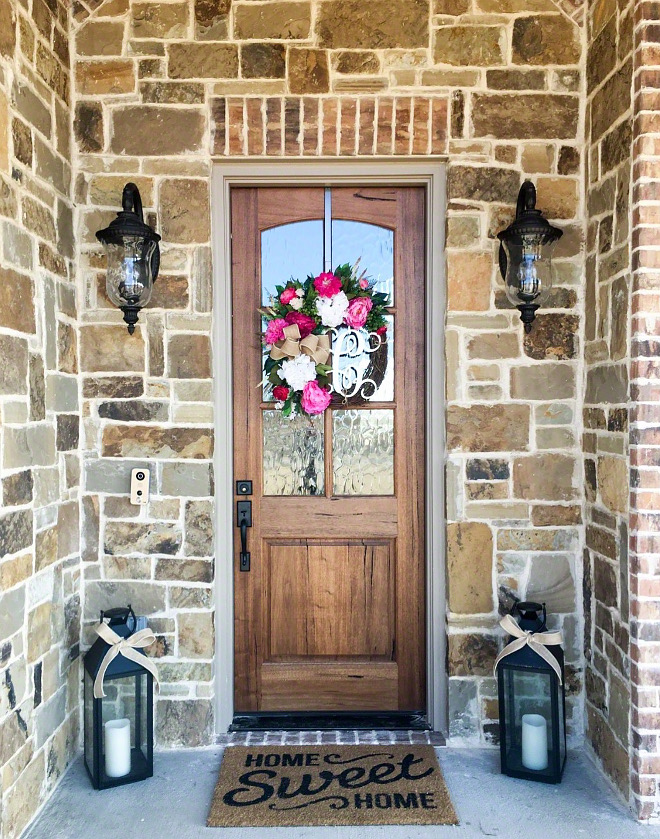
[{"x": 430, "y": 173}]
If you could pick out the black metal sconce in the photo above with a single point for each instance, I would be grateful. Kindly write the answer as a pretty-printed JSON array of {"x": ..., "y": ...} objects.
[
  {"x": 526, "y": 255},
  {"x": 133, "y": 254}
]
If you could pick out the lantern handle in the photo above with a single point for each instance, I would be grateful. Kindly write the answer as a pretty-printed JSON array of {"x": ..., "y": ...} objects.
[
  {"x": 122, "y": 613},
  {"x": 131, "y": 201}
]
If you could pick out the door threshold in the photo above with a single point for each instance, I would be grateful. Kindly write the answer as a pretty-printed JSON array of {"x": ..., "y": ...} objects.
[{"x": 338, "y": 721}]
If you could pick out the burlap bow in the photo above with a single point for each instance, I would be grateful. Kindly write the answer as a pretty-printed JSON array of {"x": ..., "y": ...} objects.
[
  {"x": 317, "y": 347},
  {"x": 538, "y": 641},
  {"x": 127, "y": 648}
]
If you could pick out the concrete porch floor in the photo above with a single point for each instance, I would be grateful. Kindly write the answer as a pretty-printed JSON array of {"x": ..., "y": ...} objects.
[{"x": 174, "y": 804}]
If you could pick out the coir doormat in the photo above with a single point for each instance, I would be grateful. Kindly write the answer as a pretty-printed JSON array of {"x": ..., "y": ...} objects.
[{"x": 272, "y": 786}]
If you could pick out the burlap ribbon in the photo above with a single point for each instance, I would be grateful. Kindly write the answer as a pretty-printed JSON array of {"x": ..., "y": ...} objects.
[
  {"x": 317, "y": 347},
  {"x": 538, "y": 641},
  {"x": 127, "y": 648}
]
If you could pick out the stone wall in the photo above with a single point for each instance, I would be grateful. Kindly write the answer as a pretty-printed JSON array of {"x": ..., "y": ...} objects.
[
  {"x": 39, "y": 410},
  {"x": 161, "y": 90},
  {"x": 607, "y": 354},
  {"x": 644, "y": 398}
]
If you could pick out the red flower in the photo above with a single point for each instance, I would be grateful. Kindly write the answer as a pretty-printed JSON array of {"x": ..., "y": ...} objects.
[
  {"x": 381, "y": 330},
  {"x": 327, "y": 284},
  {"x": 280, "y": 393},
  {"x": 306, "y": 325}
]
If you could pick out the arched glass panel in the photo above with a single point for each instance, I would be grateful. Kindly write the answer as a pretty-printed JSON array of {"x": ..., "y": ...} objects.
[{"x": 292, "y": 250}]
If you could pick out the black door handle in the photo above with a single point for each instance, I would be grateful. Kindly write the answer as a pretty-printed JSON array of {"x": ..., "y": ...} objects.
[{"x": 244, "y": 520}]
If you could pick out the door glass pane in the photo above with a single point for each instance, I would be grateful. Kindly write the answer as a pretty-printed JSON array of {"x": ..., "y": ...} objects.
[
  {"x": 372, "y": 245},
  {"x": 290, "y": 250},
  {"x": 292, "y": 454},
  {"x": 363, "y": 367},
  {"x": 363, "y": 452}
]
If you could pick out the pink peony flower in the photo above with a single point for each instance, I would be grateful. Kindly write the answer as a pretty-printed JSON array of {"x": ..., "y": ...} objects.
[
  {"x": 364, "y": 283},
  {"x": 305, "y": 324},
  {"x": 280, "y": 393},
  {"x": 327, "y": 284},
  {"x": 275, "y": 330},
  {"x": 287, "y": 295},
  {"x": 357, "y": 312},
  {"x": 315, "y": 399}
]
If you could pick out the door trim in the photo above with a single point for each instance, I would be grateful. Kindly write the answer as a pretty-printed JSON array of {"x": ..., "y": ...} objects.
[{"x": 430, "y": 173}]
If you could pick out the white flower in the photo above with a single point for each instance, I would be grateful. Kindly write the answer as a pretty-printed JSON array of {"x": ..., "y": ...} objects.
[
  {"x": 296, "y": 303},
  {"x": 332, "y": 309},
  {"x": 300, "y": 292},
  {"x": 298, "y": 371}
]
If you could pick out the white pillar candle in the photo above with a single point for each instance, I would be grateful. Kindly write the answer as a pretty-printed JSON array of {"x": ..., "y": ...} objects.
[
  {"x": 117, "y": 748},
  {"x": 534, "y": 742}
]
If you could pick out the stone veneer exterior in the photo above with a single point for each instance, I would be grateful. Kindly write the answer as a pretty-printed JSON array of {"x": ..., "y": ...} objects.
[
  {"x": 502, "y": 90},
  {"x": 40, "y": 579},
  {"x": 161, "y": 91}
]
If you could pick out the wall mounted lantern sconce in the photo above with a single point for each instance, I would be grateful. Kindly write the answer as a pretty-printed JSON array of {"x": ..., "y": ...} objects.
[
  {"x": 133, "y": 254},
  {"x": 526, "y": 255}
]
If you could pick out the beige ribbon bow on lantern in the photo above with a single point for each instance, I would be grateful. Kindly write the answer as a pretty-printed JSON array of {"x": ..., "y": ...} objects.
[
  {"x": 317, "y": 347},
  {"x": 127, "y": 648},
  {"x": 538, "y": 641}
]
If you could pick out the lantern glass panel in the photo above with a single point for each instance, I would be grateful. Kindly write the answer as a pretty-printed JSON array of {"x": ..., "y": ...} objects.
[
  {"x": 129, "y": 280},
  {"x": 527, "y": 692},
  {"x": 529, "y": 273},
  {"x": 126, "y": 698}
]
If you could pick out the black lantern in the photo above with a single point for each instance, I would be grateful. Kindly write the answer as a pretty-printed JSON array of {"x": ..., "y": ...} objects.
[
  {"x": 526, "y": 255},
  {"x": 530, "y": 675},
  {"x": 133, "y": 256},
  {"x": 118, "y": 703}
]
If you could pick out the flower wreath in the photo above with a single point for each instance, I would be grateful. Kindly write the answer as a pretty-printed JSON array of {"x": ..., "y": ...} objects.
[{"x": 298, "y": 332}]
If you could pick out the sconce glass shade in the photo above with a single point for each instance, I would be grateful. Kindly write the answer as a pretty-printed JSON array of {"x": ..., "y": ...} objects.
[
  {"x": 133, "y": 255},
  {"x": 525, "y": 259}
]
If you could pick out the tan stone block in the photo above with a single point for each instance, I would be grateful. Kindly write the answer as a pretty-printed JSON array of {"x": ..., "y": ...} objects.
[
  {"x": 377, "y": 24},
  {"x": 511, "y": 7},
  {"x": 544, "y": 477},
  {"x": 157, "y": 130},
  {"x": 100, "y": 37},
  {"x": 463, "y": 231},
  {"x": 537, "y": 157},
  {"x": 15, "y": 571},
  {"x": 359, "y": 61},
  {"x": 272, "y": 21},
  {"x": 470, "y": 567},
  {"x": 109, "y": 349},
  {"x": 106, "y": 190},
  {"x": 545, "y": 40},
  {"x": 160, "y": 20},
  {"x": 308, "y": 71},
  {"x": 25, "y": 797},
  {"x": 613, "y": 483},
  {"x": 195, "y": 635},
  {"x": 189, "y": 357},
  {"x": 550, "y": 381},
  {"x": 39, "y": 631},
  {"x": 525, "y": 116},
  {"x": 16, "y": 301},
  {"x": 553, "y": 515},
  {"x": 553, "y": 336},
  {"x": 7, "y": 29},
  {"x": 472, "y": 46},
  {"x": 105, "y": 77},
  {"x": 452, "y": 365},
  {"x": 88, "y": 126},
  {"x": 4, "y": 132},
  {"x": 494, "y": 345},
  {"x": 203, "y": 61},
  {"x": 45, "y": 550},
  {"x": 551, "y": 582},
  {"x": 263, "y": 61},
  {"x": 147, "y": 441},
  {"x": 67, "y": 348},
  {"x": 185, "y": 211},
  {"x": 129, "y": 537},
  {"x": 469, "y": 280},
  {"x": 557, "y": 197},
  {"x": 488, "y": 428}
]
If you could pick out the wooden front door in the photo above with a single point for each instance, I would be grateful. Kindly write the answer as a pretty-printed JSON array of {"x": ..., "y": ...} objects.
[{"x": 331, "y": 614}]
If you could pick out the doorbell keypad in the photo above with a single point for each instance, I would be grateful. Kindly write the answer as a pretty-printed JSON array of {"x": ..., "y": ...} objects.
[{"x": 139, "y": 486}]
